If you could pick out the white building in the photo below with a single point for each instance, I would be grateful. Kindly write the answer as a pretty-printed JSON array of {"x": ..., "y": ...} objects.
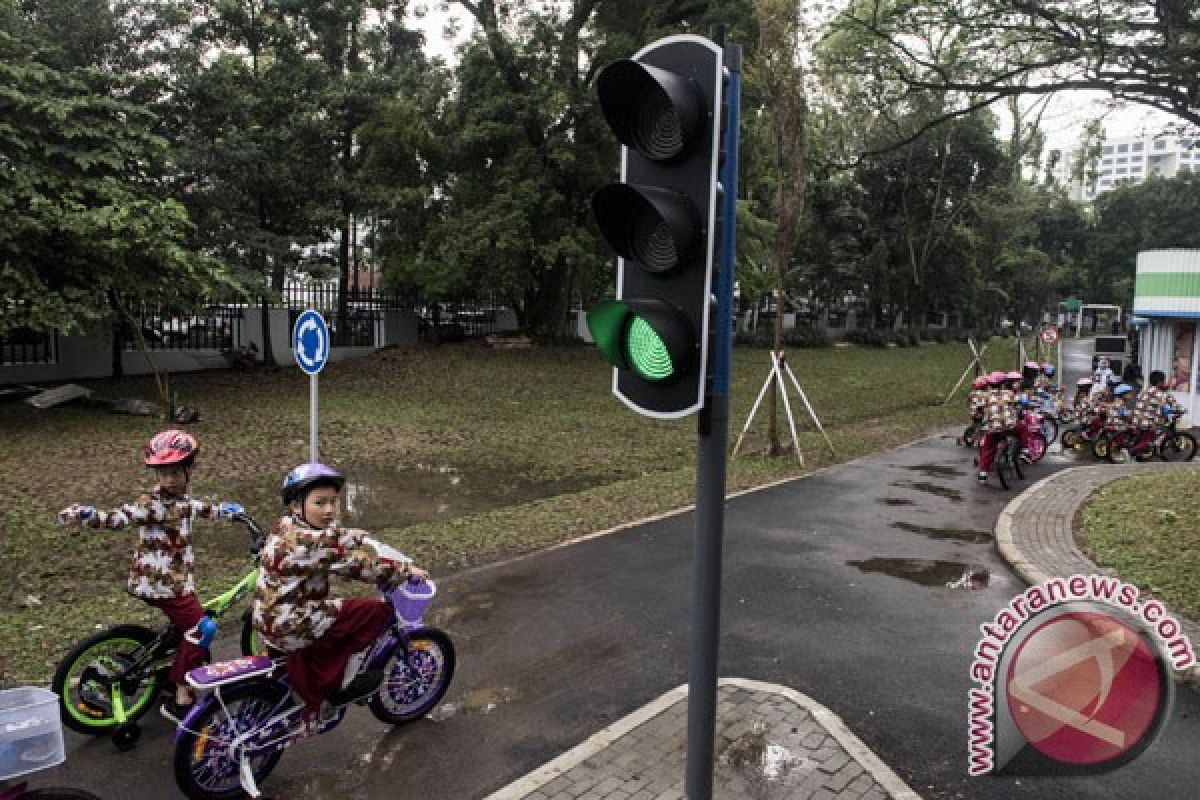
[{"x": 1129, "y": 159}]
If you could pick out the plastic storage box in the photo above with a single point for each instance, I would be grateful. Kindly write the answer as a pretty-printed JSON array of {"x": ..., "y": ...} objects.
[
  {"x": 31, "y": 735},
  {"x": 410, "y": 601}
]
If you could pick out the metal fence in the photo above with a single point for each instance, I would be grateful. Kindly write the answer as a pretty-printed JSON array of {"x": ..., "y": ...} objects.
[
  {"x": 210, "y": 327},
  {"x": 24, "y": 346}
]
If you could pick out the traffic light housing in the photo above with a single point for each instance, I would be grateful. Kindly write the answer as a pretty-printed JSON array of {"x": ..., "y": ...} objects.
[{"x": 663, "y": 105}]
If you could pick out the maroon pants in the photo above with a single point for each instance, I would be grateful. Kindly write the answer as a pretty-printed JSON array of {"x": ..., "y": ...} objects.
[
  {"x": 316, "y": 671},
  {"x": 183, "y": 612}
]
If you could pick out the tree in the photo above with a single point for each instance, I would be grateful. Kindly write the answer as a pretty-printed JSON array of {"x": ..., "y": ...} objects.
[
  {"x": 88, "y": 227},
  {"x": 1140, "y": 51}
]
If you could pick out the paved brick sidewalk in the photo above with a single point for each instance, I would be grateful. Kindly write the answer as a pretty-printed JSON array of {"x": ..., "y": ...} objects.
[
  {"x": 1036, "y": 531},
  {"x": 771, "y": 743}
]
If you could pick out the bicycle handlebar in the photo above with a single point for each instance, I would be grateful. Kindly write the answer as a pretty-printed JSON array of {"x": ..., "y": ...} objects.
[{"x": 256, "y": 531}]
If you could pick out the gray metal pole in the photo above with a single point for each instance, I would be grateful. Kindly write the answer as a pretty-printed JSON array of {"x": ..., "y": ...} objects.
[
  {"x": 312, "y": 417},
  {"x": 712, "y": 441}
]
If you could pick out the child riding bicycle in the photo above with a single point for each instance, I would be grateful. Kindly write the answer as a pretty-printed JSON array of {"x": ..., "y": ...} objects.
[
  {"x": 163, "y": 570},
  {"x": 1146, "y": 412},
  {"x": 293, "y": 611},
  {"x": 1000, "y": 419}
]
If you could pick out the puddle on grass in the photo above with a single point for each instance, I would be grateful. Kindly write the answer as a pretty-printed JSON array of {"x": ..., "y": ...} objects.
[
  {"x": 930, "y": 488},
  {"x": 936, "y": 470},
  {"x": 476, "y": 702},
  {"x": 427, "y": 492},
  {"x": 925, "y": 572},
  {"x": 956, "y": 534},
  {"x": 895, "y": 501}
]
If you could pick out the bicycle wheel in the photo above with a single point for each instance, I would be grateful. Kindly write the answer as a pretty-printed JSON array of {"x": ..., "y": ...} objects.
[
  {"x": 1072, "y": 440},
  {"x": 83, "y": 678},
  {"x": 415, "y": 685},
  {"x": 1014, "y": 456},
  {"x": 1101, "y": 446},
  {"x": 1180, "y": 447},
  {"x": 1002, "y": 464},
  {"x": 204, "y": 767},
  {"x": 1049, "y": 430}
]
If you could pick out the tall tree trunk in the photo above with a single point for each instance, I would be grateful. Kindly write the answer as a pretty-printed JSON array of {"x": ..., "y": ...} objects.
[{"x": 118, "y": 338}]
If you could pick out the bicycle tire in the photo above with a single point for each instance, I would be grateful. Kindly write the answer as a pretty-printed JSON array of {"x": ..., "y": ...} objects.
[
  {"x": 192, "y": 746},
  {"x": 1049, "y": 430},
  {"x": 58, "y": 793},
  {"x": 83, "y": 717},
  {"x": 433, "y": 653},
  {"x": 1180, "y": 447},
  {"x": 1101, "y": 446},
  {"x": 1014, "y": 456},
  {"x": 1002, "y": 464}
]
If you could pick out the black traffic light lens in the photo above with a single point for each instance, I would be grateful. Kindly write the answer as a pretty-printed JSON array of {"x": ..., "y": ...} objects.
[
  {"x": 654, "y": 111},
  {"x": 652, "y": 243},
  {"x": 657, "y": 134},
  {"x": 657, "y": 228}
]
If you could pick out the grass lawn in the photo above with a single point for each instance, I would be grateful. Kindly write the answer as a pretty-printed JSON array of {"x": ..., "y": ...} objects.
[
  {"x": 462, "y": 455},
  {"x": 1145, "y": 527}
]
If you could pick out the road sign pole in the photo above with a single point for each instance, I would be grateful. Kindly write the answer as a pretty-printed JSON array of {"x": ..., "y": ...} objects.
[
  {"x": 713, "y": 440},
  {"x": 312, "y": 417}
]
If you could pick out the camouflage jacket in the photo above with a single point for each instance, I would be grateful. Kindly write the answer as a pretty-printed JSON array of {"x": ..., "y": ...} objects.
[
  {"x": 1149, "y": 402},
  {"x": 976, "y": 402},
  {"x": 1000, "y": 412},
  {"x": 163, "y": 563},
  {"x": 292, "y": 606}
]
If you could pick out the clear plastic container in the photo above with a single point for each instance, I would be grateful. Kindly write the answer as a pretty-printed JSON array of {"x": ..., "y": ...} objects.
[
  {"x": 31, "y": 736},
  {"x": 411, "y": 599}
]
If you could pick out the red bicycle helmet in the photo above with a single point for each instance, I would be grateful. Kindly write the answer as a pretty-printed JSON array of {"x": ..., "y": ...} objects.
[
  {"x": 979, "y": 383},
  {"x": 171, "y": 448}
]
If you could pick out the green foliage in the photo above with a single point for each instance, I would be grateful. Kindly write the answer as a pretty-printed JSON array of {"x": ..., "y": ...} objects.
[{"x": 82, "y": 199}]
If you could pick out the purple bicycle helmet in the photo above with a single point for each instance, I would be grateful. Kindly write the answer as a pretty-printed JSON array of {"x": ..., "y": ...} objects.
[{"x": 308, "y": 476}]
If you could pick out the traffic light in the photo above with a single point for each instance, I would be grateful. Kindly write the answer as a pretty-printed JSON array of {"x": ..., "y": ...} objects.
[{"x": 663, "y": 105}]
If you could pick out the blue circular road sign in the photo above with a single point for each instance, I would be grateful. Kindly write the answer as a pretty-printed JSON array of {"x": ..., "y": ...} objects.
[{"x": 310, "y": 341}]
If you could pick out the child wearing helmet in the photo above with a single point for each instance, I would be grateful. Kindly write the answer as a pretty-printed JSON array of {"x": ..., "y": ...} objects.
[
  {"x": 1146, "y": 411},
  {"x": 293, "y": 609},
  {"x": 163, "y": 570},
  {"x": 999, "y": 418}
]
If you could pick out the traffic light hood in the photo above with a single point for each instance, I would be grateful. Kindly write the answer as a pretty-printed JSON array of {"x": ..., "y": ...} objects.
[
  {"x": 658, "y": 228},
  {"x": 656, "y": 112}
]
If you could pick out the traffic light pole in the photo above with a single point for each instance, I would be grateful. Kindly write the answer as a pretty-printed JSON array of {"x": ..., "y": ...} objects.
[{"x": 713, "y": 436}]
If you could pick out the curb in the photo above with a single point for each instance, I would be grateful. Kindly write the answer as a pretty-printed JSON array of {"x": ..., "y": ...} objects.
[
  {"x": 1032, "y": 572},
  {"x": 832, "y": 723}
]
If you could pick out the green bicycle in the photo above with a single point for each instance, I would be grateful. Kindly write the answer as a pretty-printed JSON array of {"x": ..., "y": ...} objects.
[{"x": 110, "y": 679}]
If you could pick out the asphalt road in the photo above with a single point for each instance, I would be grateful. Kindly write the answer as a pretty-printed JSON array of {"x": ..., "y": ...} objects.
[{"x": 835, "y": 585}]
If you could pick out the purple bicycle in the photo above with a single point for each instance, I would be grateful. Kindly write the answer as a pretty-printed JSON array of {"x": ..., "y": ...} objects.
[{"x": 246, "y": 715}]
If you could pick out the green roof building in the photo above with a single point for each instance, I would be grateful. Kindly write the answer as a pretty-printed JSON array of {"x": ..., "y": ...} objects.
[{"x": 1167, "y": 294}]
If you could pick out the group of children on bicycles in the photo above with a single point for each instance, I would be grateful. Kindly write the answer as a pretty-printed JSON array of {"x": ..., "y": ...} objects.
[
  {"x": 996, "y": 400},
  {"x": 294, "y": 614}
]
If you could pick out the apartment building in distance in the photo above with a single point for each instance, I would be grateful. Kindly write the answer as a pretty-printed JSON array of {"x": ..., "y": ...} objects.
[{"x": 1130, "y": 159}]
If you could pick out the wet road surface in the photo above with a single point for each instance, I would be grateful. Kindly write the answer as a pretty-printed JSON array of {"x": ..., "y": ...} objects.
[{"x": 862, "y": 587}]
